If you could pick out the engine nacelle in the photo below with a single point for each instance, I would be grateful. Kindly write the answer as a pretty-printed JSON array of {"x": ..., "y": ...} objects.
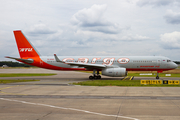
[{"x": 114, "y": 72}]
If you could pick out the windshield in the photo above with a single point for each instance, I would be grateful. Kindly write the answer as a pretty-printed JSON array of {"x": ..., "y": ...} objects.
[{"x": 168, "y": 60}]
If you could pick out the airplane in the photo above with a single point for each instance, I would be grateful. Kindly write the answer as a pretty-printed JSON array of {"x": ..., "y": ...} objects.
[{"x": 114, "y": 66}]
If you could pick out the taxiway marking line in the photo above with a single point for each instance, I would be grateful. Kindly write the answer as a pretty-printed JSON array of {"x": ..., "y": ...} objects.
[
  {"x": 73, "y": 109},
  {"x": 10, "y": 93}
]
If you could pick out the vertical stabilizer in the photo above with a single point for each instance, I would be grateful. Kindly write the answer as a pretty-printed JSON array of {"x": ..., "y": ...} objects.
[{"x": 25, "y": 48}]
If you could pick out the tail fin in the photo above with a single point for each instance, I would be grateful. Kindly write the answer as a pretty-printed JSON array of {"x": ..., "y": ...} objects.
[{"x": 25, "y": 48}]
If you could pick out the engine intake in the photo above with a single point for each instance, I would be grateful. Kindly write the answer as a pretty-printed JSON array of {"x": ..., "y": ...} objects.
[{"x": 114, "y": 72}]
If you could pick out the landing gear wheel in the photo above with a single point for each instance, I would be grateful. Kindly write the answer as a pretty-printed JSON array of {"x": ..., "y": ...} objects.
[
  {"x": 157, "y": 77},
  {"x": 91, "y": 77},
  {"x": 99, "y": 77},
  {"x": 95, "y": 77}
]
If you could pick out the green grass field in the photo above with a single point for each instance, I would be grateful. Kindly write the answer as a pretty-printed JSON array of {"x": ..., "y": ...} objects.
[
  {"x": 132, "y": 83},
  {"x": 18, "y": 67},
  {"x": 153, "y": 75},
  {"x": 14, "y": 81},
  {"x": 24, "y": 74}
]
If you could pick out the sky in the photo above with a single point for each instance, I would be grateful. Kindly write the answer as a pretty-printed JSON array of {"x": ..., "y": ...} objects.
[{"x": 92, "y": 27}]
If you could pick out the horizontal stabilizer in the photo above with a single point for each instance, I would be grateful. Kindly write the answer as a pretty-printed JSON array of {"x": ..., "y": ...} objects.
[{"x": 23, "y": 60}]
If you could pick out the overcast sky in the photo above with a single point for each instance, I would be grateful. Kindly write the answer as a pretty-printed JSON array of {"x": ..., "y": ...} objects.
[{"x": 92, "y": 27}]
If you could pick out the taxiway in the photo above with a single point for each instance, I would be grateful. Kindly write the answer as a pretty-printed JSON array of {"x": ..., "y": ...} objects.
[{"x": 54, "y": 98}]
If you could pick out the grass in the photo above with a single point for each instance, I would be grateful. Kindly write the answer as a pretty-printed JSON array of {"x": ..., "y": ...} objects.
[
  {"x": 18, "y": 67},
  {"x": 132, "y": 83},
  {"x": 14, "y": 81},
  {"x": 24, "y": 74},
  {"x": 178, "y": 67},
  {"x": 153, "y": 75},
  {"x": 174, "y": 73}
]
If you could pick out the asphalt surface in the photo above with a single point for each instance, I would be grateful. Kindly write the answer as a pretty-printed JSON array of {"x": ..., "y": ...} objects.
[{"x": 54, "y": 98}]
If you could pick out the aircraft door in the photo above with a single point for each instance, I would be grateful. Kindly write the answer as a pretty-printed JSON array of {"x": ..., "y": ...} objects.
[{"x": 158, "y": 62}]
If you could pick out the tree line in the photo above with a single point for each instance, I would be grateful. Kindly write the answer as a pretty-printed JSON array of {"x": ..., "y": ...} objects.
[{"x": 14, "y": 64}]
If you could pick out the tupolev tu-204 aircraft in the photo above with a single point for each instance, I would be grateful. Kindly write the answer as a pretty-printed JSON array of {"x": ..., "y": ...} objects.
[{"x": 114, "y": 66}]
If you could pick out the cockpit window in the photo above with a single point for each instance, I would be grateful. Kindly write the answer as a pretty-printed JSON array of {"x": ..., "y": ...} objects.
[{"x": 168, "y": 60}]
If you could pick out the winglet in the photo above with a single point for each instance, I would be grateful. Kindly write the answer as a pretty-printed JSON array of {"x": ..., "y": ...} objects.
[{"x": 57, "y": 59}]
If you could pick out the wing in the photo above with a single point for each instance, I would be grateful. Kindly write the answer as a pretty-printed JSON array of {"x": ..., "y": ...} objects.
[{"x": 86, "y": 65}]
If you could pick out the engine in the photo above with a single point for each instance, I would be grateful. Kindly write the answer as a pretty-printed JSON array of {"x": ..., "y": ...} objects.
[{"x": 114, "y": 72}]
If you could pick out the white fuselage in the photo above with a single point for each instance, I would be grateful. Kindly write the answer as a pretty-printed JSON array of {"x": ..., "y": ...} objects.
[{"x": 131, "y": 63}]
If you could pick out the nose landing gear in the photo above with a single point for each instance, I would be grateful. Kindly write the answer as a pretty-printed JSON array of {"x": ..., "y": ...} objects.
[{"x": 157, "y": 77}]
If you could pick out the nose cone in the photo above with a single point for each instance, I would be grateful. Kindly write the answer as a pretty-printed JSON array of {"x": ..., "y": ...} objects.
[{"x": 174, "y": 65}]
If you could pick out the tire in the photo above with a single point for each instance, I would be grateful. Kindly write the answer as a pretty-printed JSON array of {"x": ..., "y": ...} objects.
[
  {"x": 91, "y": 77},
  {"x": 157, "y": 77},
  {"x": 95, "y": 77}
]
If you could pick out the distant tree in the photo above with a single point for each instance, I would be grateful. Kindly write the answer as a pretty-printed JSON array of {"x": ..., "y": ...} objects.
[
  {"x": 14, "y": 64},
  {"x": 177, "y": 62}
]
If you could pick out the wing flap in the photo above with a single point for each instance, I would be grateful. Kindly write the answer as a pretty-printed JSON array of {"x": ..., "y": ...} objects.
[{"x": 86, "y": 65}]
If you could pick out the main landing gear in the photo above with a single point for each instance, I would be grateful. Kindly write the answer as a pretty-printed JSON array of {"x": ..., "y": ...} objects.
[{"x": 95, "y": 76}]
